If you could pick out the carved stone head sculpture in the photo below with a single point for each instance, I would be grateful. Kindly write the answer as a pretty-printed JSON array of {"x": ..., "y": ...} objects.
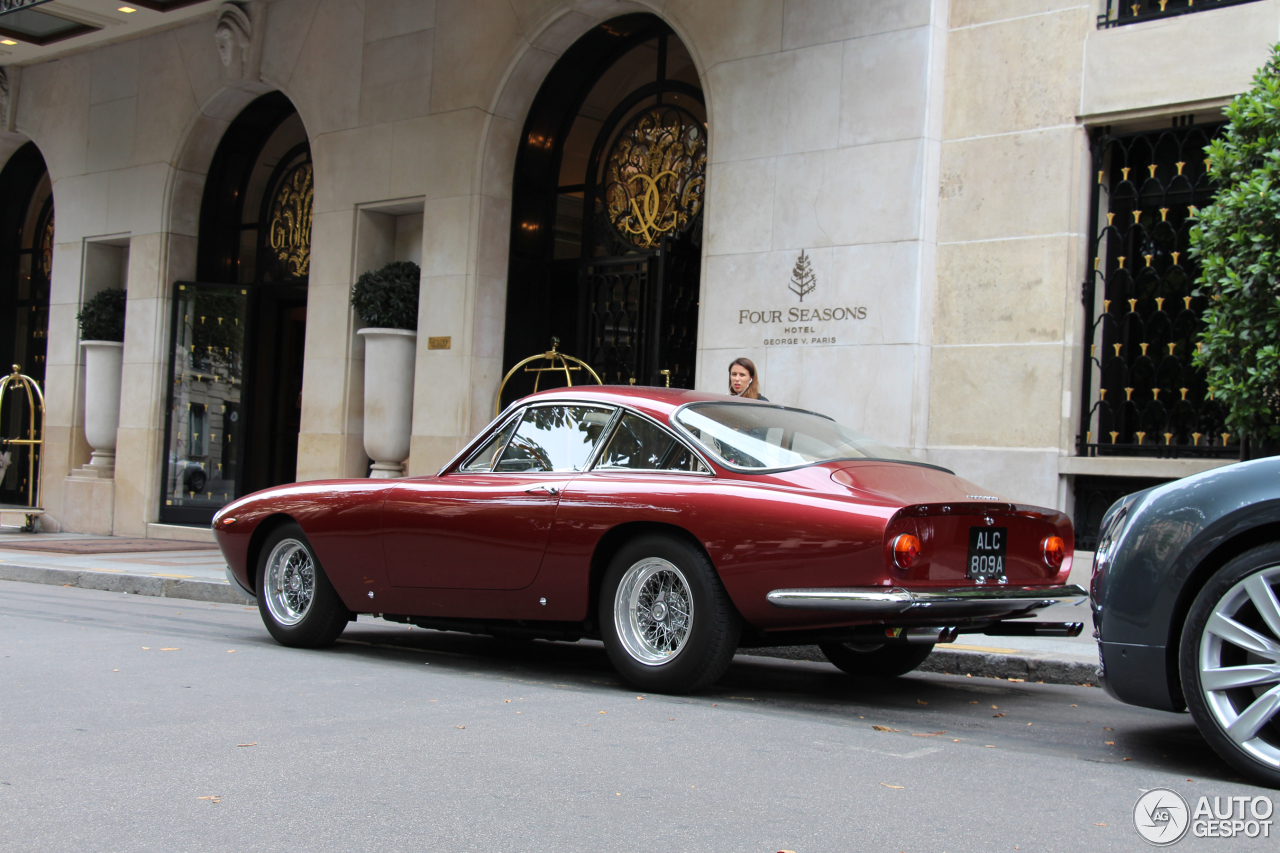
[{"x": 233, "y": 34}]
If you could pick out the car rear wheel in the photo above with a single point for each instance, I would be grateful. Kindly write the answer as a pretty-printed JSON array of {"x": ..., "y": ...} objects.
[
  {"x": 882, "y": 660},
  {"x": 1230, "y": 662},
  {"x": 668, "y": 623},
  {"x": 298, "y": 604}
]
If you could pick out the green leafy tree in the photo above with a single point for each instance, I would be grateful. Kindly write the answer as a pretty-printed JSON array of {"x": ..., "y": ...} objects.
[{"x": 1237, "y": 243}]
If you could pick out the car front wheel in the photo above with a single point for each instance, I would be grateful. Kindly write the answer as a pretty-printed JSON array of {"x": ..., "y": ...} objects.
[
  {"x": 1230, "y": 662},
  {"x": 298, "y": 604},
  {"x": 883, "y": 660},
  {"x": 668, "y": 623}
]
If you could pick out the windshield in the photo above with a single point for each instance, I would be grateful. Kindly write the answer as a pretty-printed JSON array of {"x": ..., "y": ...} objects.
[{"x": 763, "y": 437}]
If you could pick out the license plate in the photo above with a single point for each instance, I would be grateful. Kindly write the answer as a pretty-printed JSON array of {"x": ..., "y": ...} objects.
[{"x": 987, "y": 552}]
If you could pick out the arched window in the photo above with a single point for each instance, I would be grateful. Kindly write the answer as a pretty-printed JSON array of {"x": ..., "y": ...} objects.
[
  {"x": 26, "y": 266},
  {"x": 238, "y": 332},
  {"x": 607, "y": 208}
]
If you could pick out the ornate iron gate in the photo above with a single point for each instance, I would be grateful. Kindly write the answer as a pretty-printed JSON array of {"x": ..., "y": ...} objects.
[{"x": 1140, "y": 394}]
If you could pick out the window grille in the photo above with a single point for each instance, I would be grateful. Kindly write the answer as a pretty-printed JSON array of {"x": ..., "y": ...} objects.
[
  {"x": 1141, "y": 395},
  {"x": 1121, "y": 12}
]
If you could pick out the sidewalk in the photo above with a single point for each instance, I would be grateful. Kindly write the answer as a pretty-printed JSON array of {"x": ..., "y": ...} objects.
[{"x": 196, "y": 571}]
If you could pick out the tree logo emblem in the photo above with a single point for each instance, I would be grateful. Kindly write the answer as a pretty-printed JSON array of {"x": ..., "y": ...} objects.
[{"x": 803, "y": 279}]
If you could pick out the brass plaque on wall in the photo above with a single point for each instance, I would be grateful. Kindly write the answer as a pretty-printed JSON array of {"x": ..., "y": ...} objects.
[{"x": 439, "y": 343}]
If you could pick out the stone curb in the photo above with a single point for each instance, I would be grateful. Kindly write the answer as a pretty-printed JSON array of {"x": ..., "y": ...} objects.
[
  {"x": 192, "y": 590},
  {"x": 1049, "y": 668}
]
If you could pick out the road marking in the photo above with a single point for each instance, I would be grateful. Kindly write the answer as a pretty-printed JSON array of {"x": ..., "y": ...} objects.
[
  {"x": 163, "y": 575},
  {"x": 975, "y": 648}
]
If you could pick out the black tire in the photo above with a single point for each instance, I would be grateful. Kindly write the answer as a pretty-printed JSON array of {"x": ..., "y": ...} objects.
[
  {"x": 668, "y": 647},
  {"x": 1240, "y": 722},
  {"x": 878, "y": 660},
  {"x": 196, "y": 481},
  {"x": 302, "y": 609}
]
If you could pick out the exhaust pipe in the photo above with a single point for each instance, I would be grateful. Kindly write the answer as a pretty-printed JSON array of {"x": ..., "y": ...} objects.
[{"x": 923, "y": 635}]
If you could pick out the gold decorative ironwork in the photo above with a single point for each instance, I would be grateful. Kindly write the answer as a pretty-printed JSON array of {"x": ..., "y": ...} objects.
[
  {"x": 44, "y": 249},
  {"x": 556, "y": 361},
  {"x": 290, "y": 223},
  {"x": 655, "y": 175},
  {"x": 19, "y": 382}
]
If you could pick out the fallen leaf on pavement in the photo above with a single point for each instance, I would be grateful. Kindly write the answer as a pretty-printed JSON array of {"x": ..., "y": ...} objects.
[
  {"x": 459, "y": 727},
  {"x": 1109, "y": 742},
  {"x": 928, "y": 734},
  {"x": 995, "y": 707},
  {"x": 115, "y": 670},
  {"x": 171, "y": 649},
  {"x": 1099, "y": 824},
  {"x": 506, "y": 701},
  {"x": 1017, "y": 679},
  {"x": 921, "y": 702},
  {"x": 1126, "y": 759},
  {"x": 231, "y": 651},
  {"x": 988, "y": 746},
  {"x": 215, "y": 799},
  {"x": 255, "y": 743},
  {"x": 146, "y": 648},
  {"x": 1001, "y": 714},
  {"x": 640, "y": 698},
  {"x": 883, "y": 729},
  {"x": 895, "y": 787}
]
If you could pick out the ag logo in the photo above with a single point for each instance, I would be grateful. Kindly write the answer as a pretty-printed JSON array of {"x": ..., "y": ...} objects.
[{"x": 1161, "y": 817}]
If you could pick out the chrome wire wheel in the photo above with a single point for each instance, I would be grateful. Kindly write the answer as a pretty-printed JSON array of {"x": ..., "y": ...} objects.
[
  {"x": 653, "y": 611},
  {"x": 1239, "y": 665},
  {"x": 289, "y": 582}
]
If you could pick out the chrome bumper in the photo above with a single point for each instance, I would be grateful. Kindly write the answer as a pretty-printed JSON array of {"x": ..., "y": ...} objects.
[{"x": 970, "y": 602}]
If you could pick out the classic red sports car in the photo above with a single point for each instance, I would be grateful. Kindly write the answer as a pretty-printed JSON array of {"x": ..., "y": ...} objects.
[{"x": 674, "y": 525}]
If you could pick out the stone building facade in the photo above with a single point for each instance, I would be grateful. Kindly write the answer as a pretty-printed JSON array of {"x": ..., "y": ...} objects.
[{"x": 932, "y": 162}]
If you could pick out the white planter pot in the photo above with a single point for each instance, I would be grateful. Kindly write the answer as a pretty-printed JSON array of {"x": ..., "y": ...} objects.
[
  {"x": 389, "y": 356},
  {"x": 102, "y": 366}
]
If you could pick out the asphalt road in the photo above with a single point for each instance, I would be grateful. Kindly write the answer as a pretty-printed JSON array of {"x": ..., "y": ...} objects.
[{"x": 130, "y": 723}]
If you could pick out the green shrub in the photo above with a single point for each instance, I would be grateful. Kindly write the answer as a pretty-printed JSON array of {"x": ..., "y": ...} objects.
[
  {"x": 1237, "y": 243},
  {"x": 102, "y": 316},
  {"x": 387, "y": 298}
]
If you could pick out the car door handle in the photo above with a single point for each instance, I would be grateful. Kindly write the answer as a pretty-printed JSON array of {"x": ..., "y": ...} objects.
[{"x": 550, "y": 490}]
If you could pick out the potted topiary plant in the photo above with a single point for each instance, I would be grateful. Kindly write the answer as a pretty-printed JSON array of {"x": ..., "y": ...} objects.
[
  {"x": 386, "y": 300},
  {"x": 101, "y": 321}
]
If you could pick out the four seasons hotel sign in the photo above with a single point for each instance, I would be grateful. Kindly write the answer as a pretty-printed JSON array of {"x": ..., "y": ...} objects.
[{"x": 799, "y": 324}]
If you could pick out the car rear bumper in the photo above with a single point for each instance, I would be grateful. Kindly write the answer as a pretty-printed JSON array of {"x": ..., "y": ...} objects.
[{"x": 971, "y": 602}]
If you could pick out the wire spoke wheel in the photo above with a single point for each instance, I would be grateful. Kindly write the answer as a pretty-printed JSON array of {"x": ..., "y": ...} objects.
[
  {"x": 290, "y": 582},
  {"x": 653, "y": 611},
  {"x": 1239, "y": 665}
]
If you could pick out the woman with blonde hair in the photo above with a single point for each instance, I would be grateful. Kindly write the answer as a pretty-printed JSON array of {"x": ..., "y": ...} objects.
[{"x": 744, "y": 381}]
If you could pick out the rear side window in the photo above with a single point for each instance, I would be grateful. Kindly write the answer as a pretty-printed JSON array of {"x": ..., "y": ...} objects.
[
  {"x": 638, "y": 444},
  {"x": 554, "y": 438}
]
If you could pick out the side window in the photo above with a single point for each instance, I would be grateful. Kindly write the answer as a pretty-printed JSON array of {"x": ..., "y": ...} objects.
[
  {"x": 638, "y": 444},
  {"x": 483, "y": 459},
  {"x": 554, "y": 438}
]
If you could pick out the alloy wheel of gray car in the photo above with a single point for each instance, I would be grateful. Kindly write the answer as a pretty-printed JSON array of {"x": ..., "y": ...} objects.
[
  {"x": 665, "y": 617},
  {"x": 298, "y": 604},
  {"x": 1230, "y": 660}
]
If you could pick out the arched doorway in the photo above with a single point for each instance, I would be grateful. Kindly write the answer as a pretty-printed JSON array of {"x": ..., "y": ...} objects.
[
  {"x": 606, "y": 226},
  {"x": 26, "y": 263},
  {"x": 238, "y": 331}
]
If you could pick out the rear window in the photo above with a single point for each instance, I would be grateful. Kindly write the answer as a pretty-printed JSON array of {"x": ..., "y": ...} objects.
[{"x": 763, "y": 437}]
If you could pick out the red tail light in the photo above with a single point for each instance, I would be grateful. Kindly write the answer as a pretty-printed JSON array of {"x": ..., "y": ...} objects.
[
  {"x": 1055, "y": 551},
  {"x": 906, "y": 551}
]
